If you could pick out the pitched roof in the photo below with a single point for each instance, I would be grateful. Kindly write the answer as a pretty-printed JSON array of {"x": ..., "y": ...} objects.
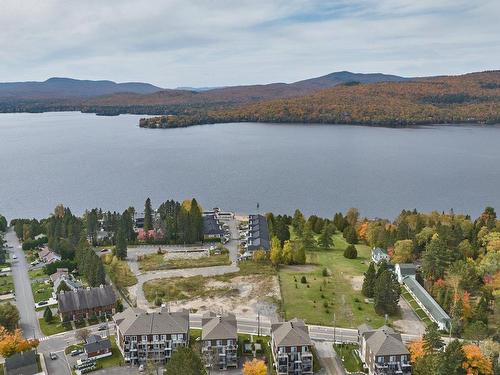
[
  {"x": 23, "y": 363},
  {"x": 258, "y": 233},
  {"x": 384, "y": 341},
  {"x": 211, "y": 226},
  {"x": 135, "y": 322},
  {"x": 426, "y": 299},
  {"x": 379, "y": 251},
  {"x": 59, "y": 272},
  {"x": 291, "y": 333},
  {"x": 86, "y": 298},
  {"x": 218, "y": 327},
  {"x": 96, "y": 343},
  {"x": 407, "y": 268}
]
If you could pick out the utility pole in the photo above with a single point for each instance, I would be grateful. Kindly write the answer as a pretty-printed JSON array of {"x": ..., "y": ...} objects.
[
  {"x": 258, "y": 323},
  {"x": 334, "y": 316}
]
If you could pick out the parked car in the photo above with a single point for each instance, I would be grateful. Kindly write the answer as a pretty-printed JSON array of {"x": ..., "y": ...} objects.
[
  {"x": 14, "y": 256},
  {"x": 76, "y": 352},
  {"x": 53, "y": 355},
  {"x": 102, "y": 327},
  {"x": 35, "y": 262},
  {"x": 42, "y": 303},
  {"x": 141, "y": 368}
]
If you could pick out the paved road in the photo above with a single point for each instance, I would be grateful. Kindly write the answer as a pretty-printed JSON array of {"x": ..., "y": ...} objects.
[{"x": 24, "y": 296}]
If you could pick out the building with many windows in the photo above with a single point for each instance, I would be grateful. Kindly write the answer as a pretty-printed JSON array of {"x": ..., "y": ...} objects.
[
  {"x": 156, "y": 336},
  {"x": 219, "y": 341},
  {"x": 292, "y": 348},
  {"x": 383, "y": 352}
]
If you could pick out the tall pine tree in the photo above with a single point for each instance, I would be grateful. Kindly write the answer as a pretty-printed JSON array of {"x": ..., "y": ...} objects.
[
  {"x": 369, "y": 281},
  {"x": 148, "y": 215}
]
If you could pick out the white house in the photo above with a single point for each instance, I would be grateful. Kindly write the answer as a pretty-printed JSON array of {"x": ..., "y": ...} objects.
[
  {"x": 379, "y": 255},
  {"x": 404, "y": 269}
]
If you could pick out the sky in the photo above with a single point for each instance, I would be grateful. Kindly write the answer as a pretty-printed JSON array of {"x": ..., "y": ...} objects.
[{"x": 210, "y": 43}]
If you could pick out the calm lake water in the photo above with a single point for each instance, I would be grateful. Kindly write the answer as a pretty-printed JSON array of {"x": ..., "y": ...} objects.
[{"x": 85, "y": 161}]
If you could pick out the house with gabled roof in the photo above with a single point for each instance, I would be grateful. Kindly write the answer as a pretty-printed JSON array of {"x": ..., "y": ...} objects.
[
  {"x": 382, "y": 351},
  {"x": 219, "y": 341},
  {"x": 97, "y": 347},
  {"x": 84, "y": 303},
  {"x": 142, "y": 335},
  {"x": 404, "y": 269},
  {"x": 379, "y": 255},
  {"x": 292, "y": 348}
]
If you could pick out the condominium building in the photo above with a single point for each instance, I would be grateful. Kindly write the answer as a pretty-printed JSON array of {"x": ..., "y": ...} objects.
[{"x": 219, "y": 341}]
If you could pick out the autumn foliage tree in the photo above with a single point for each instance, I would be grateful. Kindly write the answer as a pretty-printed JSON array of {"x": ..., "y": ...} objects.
[
  {"x": 476, "y": 363},
  {"x": 14, "y": 342},
  {"x": 255, "y": 367}
]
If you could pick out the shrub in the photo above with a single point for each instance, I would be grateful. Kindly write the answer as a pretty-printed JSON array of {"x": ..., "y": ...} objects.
[
  {"x": 324, "y": 272},
  {"x": 350, "y": 252},
  {"x": 325, "y": 304},
  {"x": 303, "y": 280}
]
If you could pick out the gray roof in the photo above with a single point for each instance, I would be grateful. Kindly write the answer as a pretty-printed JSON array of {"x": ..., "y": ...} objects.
[
  {"x": 426, "y": 299},
  {"x": 211, "y": 226},
  {"x": 96, "y": 343},
  {"x": 88, "y": 298},
  {"x": 379, "y": 251},
  {"x": 384, "y": 341},
  {"x": 136, "y": 322},
  {"x": 407, "y": 269},
  {"x": 258, "y": 237},
  {"x": 23, "y": 363},
  {"x": 215, "y": 327},
  {"x": 291, "y": 333}
]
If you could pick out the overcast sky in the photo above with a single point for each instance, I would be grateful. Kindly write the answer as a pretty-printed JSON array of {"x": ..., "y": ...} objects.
[{"x": 218, "y": 42}]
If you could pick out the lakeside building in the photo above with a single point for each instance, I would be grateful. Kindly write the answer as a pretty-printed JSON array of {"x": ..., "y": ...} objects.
[
  {"x": 258, "y": 234},
  {"x": 379, "y": 255},
  {"x": 212, "y": 228},
  {"x": 219, "y": 341},
  {"x": 84, "y": 303},
  {"x": 156, "y": 336},
  {"x": 427, "y": 303},
  {"x": 291, "y": 348},
  {"x": 382, "y": 351}
]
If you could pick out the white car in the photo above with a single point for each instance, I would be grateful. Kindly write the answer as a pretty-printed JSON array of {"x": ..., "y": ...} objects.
[{"x": 14, "y": 256}]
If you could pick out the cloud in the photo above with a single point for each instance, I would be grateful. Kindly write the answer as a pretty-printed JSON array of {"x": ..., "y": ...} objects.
[{"x": 221, "y": 42}]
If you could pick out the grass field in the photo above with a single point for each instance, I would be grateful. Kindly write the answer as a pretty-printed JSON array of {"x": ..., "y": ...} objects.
[
  {"x": 37, "y": 273},
  {"x": 349, "y": 357},
  {"x": 322, "y": 296},
  {"x": 119, "y": 272},
  {"x": 53, "y": 327},
  {"x": 41, "y": 291},
  {"x": 112, "y": 361},
  {"x": 6, "y": 284},
  {"x": 154, "y": 262}
]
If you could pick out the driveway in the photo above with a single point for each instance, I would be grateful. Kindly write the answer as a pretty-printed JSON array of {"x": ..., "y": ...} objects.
[
  {"x": 328, "y": 358},
  {"x": 22, "y": 284},
  {"x": 409, "y": 323}
]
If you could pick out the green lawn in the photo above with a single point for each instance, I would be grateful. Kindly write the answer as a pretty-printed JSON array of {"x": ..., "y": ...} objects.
[
  {"x": 37, "y": 273},
  {"x": 321, "y": 296},
  {"x": 349, "y": 357},
  {"x": 6, "y": 284},
  {"x": 112, "y": 361},
  {"x": 53, "y": 327},
  {"x": 41, "y": 291},
  {"x": 153, "y": 262}
]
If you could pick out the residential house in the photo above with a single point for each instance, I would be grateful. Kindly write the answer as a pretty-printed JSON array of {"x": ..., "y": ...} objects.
[
  {"x": 23, "y": 363},
  {"x": 427, "y": 303},
  {"x": 212, "y": 228},
  {"x": 97, "y": 347},
  {"x": 141, "y": 335},
  {"x": 47, "y": 256},
  {"x": 69, "y": 281},
  {"x": 379, "y": 255},
  {"x": 292, "y": 348},
  {"x": 404, "y": 269},
  {"x": 59, "y": 273},
  {"x": 219, "y": 341},
  {"x": 382, "y": 351},
  {"x": 258, "y": 234},
  {"x": 85, "y": 303}
]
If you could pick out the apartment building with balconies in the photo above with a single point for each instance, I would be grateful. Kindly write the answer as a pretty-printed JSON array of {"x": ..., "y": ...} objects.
[
  {"x": 156, "y": 336},
  {"x": 219, "y": 341}
]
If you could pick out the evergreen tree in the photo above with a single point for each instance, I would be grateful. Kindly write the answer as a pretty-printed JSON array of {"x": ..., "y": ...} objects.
[
  {"x": 298, "y": 223},
  {"x": 299, "y": 253},
  {"x": 452, "y": 359},
  {"x": 432, "y": 339},
  {"x": 325, "y": 238},
  {"x": 350, "y": 252},
  {"x": 386, "y": 293},
  {"x": 148, "y": 215},
  {"x": 350, "y": 234},
  {"x": 436, "y": 259},
  {"x": 307, "y": 238},
  {"x": 369, "y": 281},
  {"x": 121, "y": 243},
  {"x": 382, "y": 267},
  {"x": 339, "y": 221},
  {"x": 47, "y": 315}
]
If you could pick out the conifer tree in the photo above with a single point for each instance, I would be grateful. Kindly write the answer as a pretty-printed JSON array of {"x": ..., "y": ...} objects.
[
  {"x": 148, "y": 215},
  {"x": 325, "y": 237},
  {"x": 369, "y": 281}
]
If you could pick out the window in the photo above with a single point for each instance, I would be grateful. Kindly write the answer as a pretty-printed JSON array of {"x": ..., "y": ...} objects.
[
  {"x": 155, "y": 337},
  {"x": 163, "y": 337},
  {"x": 305, "y": 349},
  {"x": 380, "y": 359},
  {"x": 404, "y": 358},
  {"x": 392, "y": 358},
  {"x": 144, "y": 338},
  {"x": 294, "y": 349},
  {"x": 219, "y": 342},
  {"x": 134, "y": 338}
]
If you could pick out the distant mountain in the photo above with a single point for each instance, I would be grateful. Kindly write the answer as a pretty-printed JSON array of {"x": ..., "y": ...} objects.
[
  {"x": 468, "y": 98},
  {"x": 338, "y": 78},
  {"x": 63, "y": 88}
]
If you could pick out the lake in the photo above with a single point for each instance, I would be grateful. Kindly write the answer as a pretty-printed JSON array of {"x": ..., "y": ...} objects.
[{"x": 85, "y": 161}]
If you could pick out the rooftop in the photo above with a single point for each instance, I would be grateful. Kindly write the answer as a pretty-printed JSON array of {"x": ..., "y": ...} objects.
[
  {"x": 215, "y": 327},
  {"x": 86, "y": 298},
  {"x": 426, "y": 299},
  {"x": 383, "y": 341},
  {"x": 291, "y": 333},
  {"x": 139, "y": 322}
]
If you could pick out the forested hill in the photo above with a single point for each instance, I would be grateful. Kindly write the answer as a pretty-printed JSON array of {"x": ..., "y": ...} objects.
[
  {"x": 469, "y": 98},
  {"x": 106, "y": 97}
]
